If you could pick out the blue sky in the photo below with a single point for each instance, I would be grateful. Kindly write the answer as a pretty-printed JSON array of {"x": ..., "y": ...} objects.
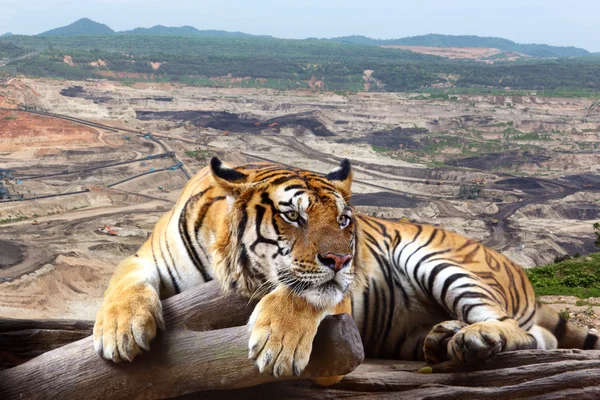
[{"x": 556, "y": 22}]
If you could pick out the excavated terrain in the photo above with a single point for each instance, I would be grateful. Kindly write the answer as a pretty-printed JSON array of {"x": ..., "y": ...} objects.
[{"x": 534, "y": 163}]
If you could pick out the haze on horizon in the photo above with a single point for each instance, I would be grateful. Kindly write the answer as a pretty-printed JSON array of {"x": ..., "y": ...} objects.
[{"x": 553, "y": 22}]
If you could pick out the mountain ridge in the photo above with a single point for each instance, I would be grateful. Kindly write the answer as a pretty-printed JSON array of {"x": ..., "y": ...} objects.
[
  {"x": 185, "y": 30},
  {"x": 462, "y": 41},
  {"x": 86, "y": 26},
  {"x": 83, "y": 26}
]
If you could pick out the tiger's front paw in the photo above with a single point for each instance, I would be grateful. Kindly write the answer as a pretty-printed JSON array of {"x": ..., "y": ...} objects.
[
  {"x": 126, "y": 322},
  {"x": 477, "y": 342},
  {"x": 281, "y": 339}
]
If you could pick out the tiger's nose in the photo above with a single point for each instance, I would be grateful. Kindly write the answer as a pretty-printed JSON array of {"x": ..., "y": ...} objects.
[{"x": 335, "y": 261}]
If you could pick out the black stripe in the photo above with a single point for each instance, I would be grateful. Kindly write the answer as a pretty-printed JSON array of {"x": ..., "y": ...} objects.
[
  {"x": 469, "y": 295},
  {"x": 478, "y": 286},
  {"x": 560, "y": 328},
  {"x": 418, "y": 265},
  {"x": 419, "y": 230},
  {"x": 376, "y": 315},
  {"x": 466, "y": 310},
  {"x": 512, "y": 288},
  {"x": 524, "y": 323},
  {"x": 292, "y": 187},
  {"x": 386, "y": 268},
  {"x": 449, "y": 281},
  {"x": 283, "y": 179},
  {"x": 260, "y": 214},
  {"x": 365, "y": 327},
  {"x": 534, "y": 342},
  {"x": 590, "y": 341},
  {"x": 434, "y": 273},
  {"x": 418, "y": 348},
  {"x": 174, "y": 282},
  {"x": 162, "y": 255},
  {"x": 170, "y": 254},
  {"x": 466, "y": 244},
  {"x": 187, "y": 242}
]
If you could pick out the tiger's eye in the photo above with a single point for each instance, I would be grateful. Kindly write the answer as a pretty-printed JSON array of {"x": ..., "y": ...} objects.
[
  {"x": 292, "y": 215},
  {"x": 343, "y": 220}
]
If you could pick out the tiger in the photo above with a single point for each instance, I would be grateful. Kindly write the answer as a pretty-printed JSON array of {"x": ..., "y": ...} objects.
[{"x": 291, "y": 238}]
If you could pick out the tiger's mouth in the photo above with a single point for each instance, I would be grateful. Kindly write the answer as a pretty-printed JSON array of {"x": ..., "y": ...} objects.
[{"x": 325, "y": 282}]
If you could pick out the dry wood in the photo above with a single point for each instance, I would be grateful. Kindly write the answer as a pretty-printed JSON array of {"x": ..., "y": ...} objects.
[
  {"x": 22, "y": 340},
  {"x": 181, "y": 360},
  {"x": 201, "y": 308},
  {"x": 555, "y": 375}
]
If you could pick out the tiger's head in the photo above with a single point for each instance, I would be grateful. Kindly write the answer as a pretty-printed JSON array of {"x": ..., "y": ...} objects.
[{"x": 287, "y": 227}]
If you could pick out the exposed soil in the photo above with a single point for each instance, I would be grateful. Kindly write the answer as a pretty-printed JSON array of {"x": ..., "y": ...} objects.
[
  {"x": 499, "y": 160},
  {"x": 467, "y": 53},
  {"x": 61, "y": 275},
  {"x": 231, "y": 122},
  {"x": 79, "y": 91},
  {"x": 385, "y": 199},
  {"x": 10, "y": 253},
  {"x": 397, "y": 138},
  {"x": 24, "y": 131},
  {"x": 519, "y": 183}
]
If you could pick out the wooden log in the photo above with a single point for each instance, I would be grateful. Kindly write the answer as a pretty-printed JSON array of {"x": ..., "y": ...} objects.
[
  {"x": 22, "y": 340},
  {"x": 558, "y": 374},
  {"x": 201, "y": 308},
  {"x": 182, "y": 360}
]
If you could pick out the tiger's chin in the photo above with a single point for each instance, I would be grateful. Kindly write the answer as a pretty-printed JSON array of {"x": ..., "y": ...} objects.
[{"x": 326, "y": 295}]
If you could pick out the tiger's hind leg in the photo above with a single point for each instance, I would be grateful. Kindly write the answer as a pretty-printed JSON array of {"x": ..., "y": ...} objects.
[
  {"x": 435, "y": 346},
  {"x": 482, "y": 340}
]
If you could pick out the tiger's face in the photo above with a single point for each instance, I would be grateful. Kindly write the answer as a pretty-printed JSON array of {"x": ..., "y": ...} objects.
[{"x": 288, "y": 227}]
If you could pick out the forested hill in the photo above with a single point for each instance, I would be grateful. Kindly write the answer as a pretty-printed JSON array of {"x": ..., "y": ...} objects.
[
  {"x": 284, "y": 64},
  {"x": 83, "y": 26},
  {"x": 185, "y": 31},
  {"x": 86, "y": 26},
  {"x": 435, "y": 40}
]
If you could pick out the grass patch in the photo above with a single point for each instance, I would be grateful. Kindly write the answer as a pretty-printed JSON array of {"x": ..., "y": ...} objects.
[
  {"x": 578, "y": 277},
  {"x": 199, "y": 154},
  {"x": 380, "y": 149},
  {"x": 9, "y": 118},
  {"x": 15, "y": 219}
]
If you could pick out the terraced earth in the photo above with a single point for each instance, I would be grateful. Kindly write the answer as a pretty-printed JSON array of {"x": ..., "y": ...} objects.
[{"x": 532, "y": 162}]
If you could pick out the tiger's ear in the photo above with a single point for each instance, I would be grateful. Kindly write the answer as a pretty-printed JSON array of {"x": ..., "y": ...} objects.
[
  {"x": 231, "y": 181},
  {"x": 341, "y": 177}
]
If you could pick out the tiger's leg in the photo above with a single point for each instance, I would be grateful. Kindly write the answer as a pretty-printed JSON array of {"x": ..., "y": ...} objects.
[
  {"x": 482, "y": 329},
  {"x": 131, "y": 312},
  {"x": 345, "y": 307},
  {"x": 283, "y": 326},
  {"x": 484, "y": 339},
  {"x": 435, "y": 345}
]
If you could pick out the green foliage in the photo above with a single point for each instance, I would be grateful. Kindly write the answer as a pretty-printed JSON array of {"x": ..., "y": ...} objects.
[
  {"x": 15, "y": 219},
  {"x": 199, "y": 155},
  {"x": 10, "y": 50},
  {"x": 597, "y": 233},
  {"x": 565, "y": 314},
  {"x": 284, "y": 64},
  {"x": 435, "y": 40},
  {"x": 83, "y": 26},
  {"x": 380, "y": 149},
  {"x": 9, "y": 118},
  {"x": 576, "y": 277}
]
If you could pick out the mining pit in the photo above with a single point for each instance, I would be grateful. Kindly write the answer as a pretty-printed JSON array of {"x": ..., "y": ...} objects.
[{"x": 545, "y": 194}]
